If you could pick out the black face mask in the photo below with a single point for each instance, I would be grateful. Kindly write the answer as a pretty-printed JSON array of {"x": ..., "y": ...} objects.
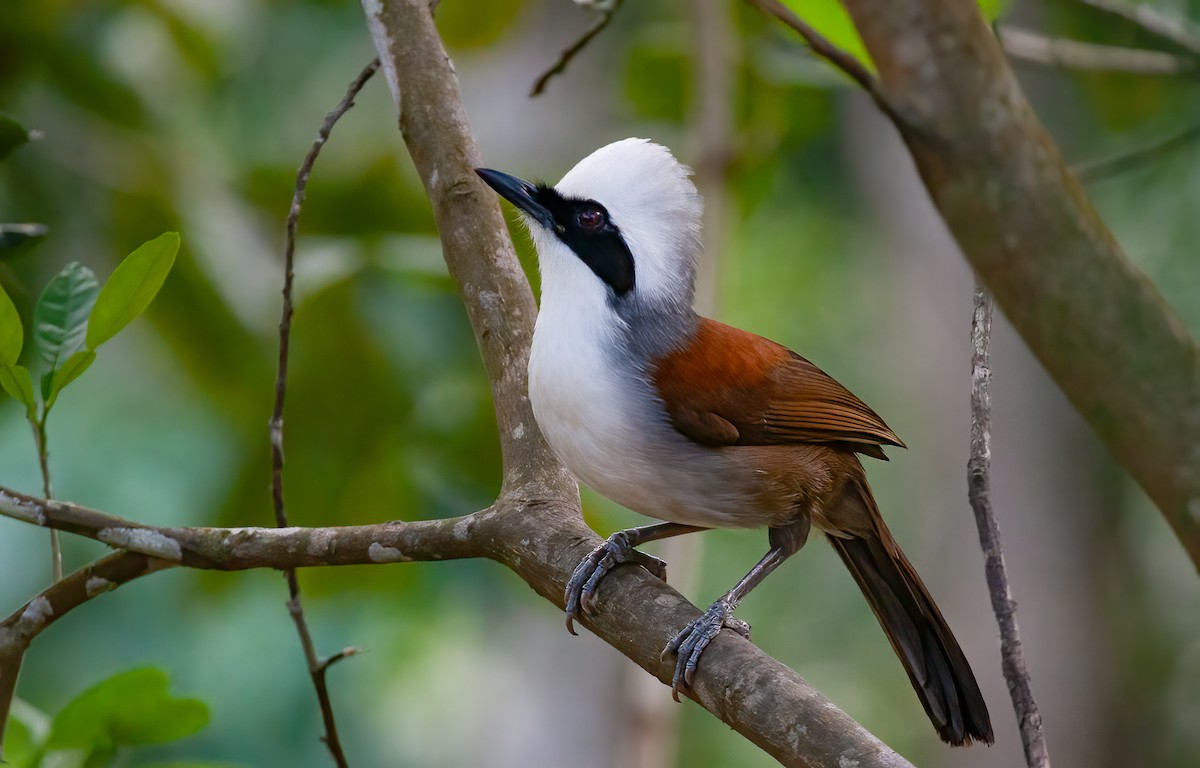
[{"x": 588, "y": 230}]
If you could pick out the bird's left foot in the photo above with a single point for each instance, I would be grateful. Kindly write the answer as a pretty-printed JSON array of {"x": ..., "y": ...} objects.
[
  {"x": 581, "y": 588},
  {"x": 691, "y": 641}
]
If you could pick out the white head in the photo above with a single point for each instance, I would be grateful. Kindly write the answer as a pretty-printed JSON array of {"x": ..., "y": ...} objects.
[{"x": 622, "y": 227}]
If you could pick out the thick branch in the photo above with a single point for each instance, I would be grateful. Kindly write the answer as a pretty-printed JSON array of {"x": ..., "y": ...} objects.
[
  {"x": 475, "y": 242},
  {"x": 1092, "y": 318},
  {"x": 104, "y": 575},
  {"x": 638, "y": 614},
  {"x": 238, "y": 549}
]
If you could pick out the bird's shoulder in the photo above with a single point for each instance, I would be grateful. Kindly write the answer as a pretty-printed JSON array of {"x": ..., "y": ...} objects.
[{"x": 726, "y": 386}]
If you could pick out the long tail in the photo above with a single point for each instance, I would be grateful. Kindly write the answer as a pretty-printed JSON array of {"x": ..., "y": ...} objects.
[{"x": 935, "y": 664}]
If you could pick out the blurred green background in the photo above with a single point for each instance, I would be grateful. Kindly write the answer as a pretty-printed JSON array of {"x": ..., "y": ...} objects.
[{"x": 193, "y": 115}]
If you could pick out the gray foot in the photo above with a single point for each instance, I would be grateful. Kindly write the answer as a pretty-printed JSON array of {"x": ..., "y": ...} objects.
[
  {"x": 691, "y": 641},
  {"x": 582, "y": 586}
]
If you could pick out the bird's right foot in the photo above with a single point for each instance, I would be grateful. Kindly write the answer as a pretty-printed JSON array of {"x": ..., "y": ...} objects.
[
  {"x": 581, "y": 588},
  {"x": 691, "y": 641}
]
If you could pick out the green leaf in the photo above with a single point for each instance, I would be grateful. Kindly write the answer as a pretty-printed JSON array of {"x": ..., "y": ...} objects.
[
  {"x": 100, "y": 757},
  {"x": 15, "y": 380},
  {"x": 19, "y": 745},
  {"x": 15, "y": 238},
  {"x": 37, "y": 721},
  {"x": 12, "y": 135},
  {"x": 128, "y": 709},
  {"x": 131, "y": 287},
  {"x": 830, "y": 19},
  {"x": 12, "y": 334},
  {"x": 72, "y": 369},
  {"x": 991, "y": 9},
  {"x": 25, "y": 736},
  {"x": 475, "y": 25},
  {"x": 60, "y": 318}
]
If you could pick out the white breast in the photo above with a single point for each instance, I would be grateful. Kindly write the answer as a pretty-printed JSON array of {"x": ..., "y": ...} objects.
[
  {"x": 578, "y": 405},
  {"x": 606, "y": 429}
]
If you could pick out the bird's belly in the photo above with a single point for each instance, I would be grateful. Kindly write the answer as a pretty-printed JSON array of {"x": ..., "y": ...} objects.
[
  {"x": 610, "y": 437},
  {"x": 600, "y": 445}
]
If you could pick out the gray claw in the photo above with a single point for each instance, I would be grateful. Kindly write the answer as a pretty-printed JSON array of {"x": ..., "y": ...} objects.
[
  {"x": 581, "y": 588},
  {"x": 691, "y": 641}
]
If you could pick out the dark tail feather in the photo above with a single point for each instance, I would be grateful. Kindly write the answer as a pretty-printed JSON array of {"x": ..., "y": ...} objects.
[{"x": 935, "y": 664}]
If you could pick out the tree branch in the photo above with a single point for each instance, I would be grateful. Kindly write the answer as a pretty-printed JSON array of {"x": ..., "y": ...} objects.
[
  {"x": 1113, "y": 166},
  {"x": 573, "y": 50},
  {"x": 239, "y": 549},
  {"x": 30, "y": 620},
  {"x": 1092, "y": 318},
  {"x": 1074, "y": 54},
  {"x": 542, "y": 540},
  {"x": 316, "y": 667},
  {"x": 1029, "y": 720},
  {"x": 638, "y": 614},
  {"x": 1178, "y": 32},
  {"x": 475, "y": 242},
  {"x": 844, "y": 61}
]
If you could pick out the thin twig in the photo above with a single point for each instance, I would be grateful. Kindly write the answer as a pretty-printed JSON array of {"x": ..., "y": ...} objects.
[
  {"x": 1113, "y": 166},
  {"x": 560, "y": 66},
  {"x": 979, "y": 492},
  {"x": 39, "y": 437},
  {"x": 345, "y": 653},
  {"x": 835, "y": 56},
  {"x": 316, "y": 667},
  {"x": 1074, "y": 54},
  {"x": 1178, "y": 32}
]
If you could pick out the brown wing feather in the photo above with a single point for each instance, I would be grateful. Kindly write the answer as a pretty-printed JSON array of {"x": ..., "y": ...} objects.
[{"x": 730, "y": 387}]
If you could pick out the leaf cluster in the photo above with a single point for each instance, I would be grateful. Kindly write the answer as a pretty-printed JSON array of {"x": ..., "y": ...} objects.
[
  {"x": 73, "y": 317},
  {"x": 129, "y": 709}
]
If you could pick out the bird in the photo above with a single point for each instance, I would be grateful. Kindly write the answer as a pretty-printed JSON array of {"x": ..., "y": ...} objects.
[{"x": 703, "y": 425}]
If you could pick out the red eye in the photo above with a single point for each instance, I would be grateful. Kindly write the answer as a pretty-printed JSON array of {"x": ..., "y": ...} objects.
[{"x": 590, "y": 219}]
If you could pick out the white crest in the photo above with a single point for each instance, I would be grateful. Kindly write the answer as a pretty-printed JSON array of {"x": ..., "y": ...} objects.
[{"x": 652, "y": 201}]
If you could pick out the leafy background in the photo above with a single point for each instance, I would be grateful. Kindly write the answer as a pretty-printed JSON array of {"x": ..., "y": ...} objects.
[{"x": 192, "y": 116}]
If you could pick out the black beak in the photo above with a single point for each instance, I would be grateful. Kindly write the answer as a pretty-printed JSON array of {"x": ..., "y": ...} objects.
[{"x": 520, "y": 193}]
